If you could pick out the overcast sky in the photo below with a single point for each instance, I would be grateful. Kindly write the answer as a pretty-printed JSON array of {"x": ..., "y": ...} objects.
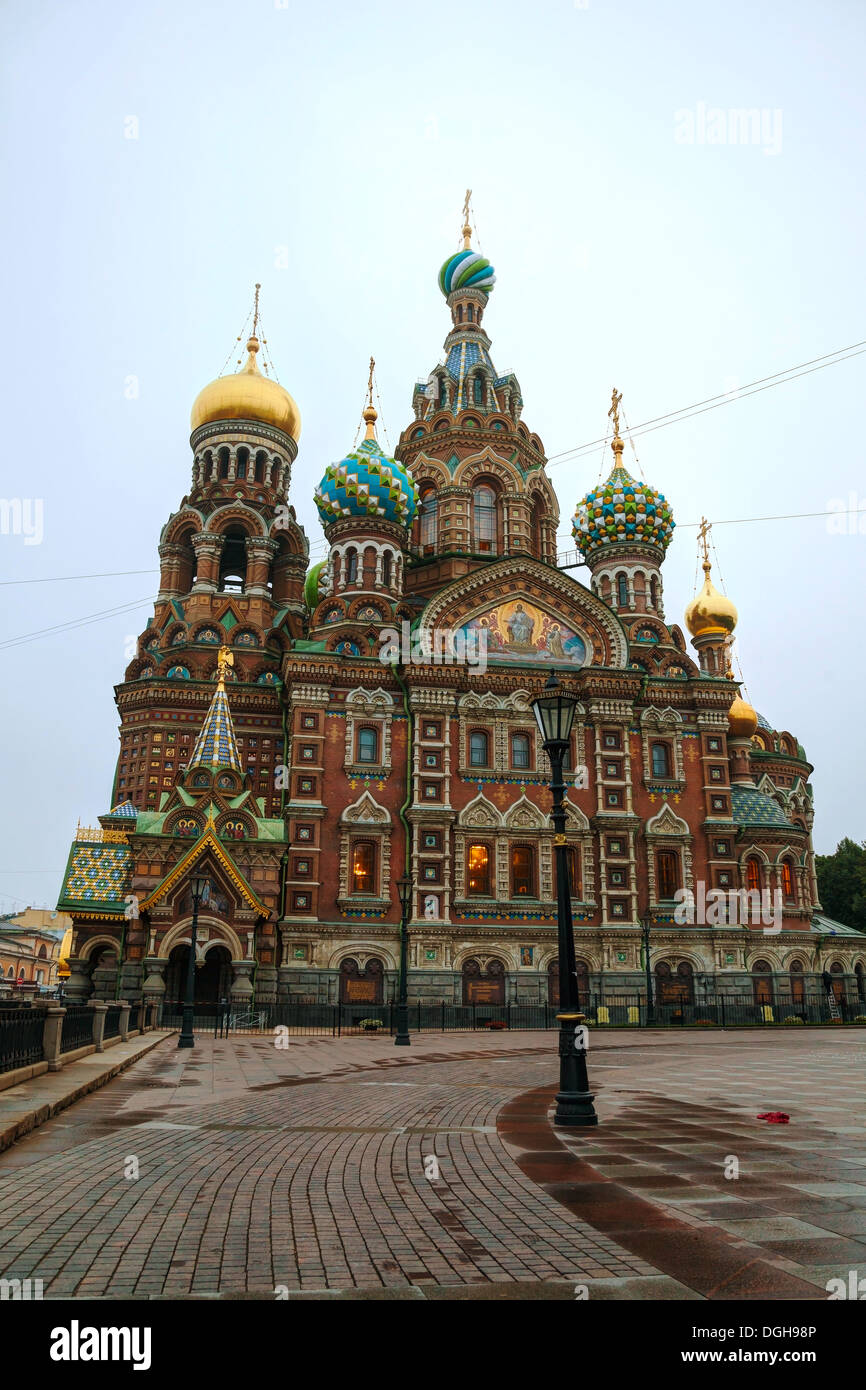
[{"x": 324, "y": 150}]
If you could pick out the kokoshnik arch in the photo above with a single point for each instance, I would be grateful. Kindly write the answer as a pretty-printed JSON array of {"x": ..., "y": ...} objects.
[{"x": 264, "y": 742}]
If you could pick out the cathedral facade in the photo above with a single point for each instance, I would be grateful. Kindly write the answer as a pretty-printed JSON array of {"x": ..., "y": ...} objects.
[{"x": 305, "y": 735}]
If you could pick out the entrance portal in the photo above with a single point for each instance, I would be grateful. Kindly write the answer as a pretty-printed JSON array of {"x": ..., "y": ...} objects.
[
  {"x": 359, "y": 986},
  {"x": 480, "y": 987}
]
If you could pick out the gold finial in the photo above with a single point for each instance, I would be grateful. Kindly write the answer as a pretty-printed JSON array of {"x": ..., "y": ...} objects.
[
  {"x": 253, "y": 341},
  {"x": 704, "y": 538},
  {"x": 370, "y": 412},
  {"x": 225, "y": 661},
  {"x": 467, "y": 230}
]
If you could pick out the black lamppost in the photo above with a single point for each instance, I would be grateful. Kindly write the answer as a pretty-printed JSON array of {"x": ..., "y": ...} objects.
[
  {"x": 645, "y": 924},
  {"x": 554, "y": 713},
  {"x": 404, "y": 890},
  {"x": 200, "y": 893}
]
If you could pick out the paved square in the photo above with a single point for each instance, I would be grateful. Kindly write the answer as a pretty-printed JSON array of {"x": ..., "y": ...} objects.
[{"x": 239, "y": 1167}]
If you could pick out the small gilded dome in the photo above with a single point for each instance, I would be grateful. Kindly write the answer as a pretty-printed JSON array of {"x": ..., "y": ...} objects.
[
  {"x": 742, "y": 719},
  {"x": 710, "y": 611},
  {"x": 247, "y": 395},
  {"x": 366, "y": 483},
  {"x": 466, "y": 270},
  {"x": 622, "y": 509}
]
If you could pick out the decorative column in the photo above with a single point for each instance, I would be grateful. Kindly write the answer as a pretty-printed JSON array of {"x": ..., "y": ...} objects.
[
  {"x": 208, "y": 549},
  {"x": 260, "y": 553},
  {"x": 79, "y": 986},
  {"x": 153, "y": 989}
]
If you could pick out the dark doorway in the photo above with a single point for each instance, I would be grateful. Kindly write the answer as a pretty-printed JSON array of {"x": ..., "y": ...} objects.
[
  {"x": 213, "y": 978},
  {"x": 676, "y": 989},
  {"x": 483, "y": 987},
  {"x": 582, "y": 971},
  {"x": 359, "y": 986},
  {"x": 762, "y": 983}
]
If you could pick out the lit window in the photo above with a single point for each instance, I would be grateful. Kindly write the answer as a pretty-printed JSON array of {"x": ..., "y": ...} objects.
[
  {"x": 478, "y": 744},
  {"x": 753, "y": 875},
  {"x": 368, "y": 746},
  {"x": 787, "y": 879},
  {"x": 668, "y": 865},
  {"x": 572, "y": 855},
  {"x": 478, "y": 871},
  {"x": 522, "y": 872},
  {"x": 363, "y": 865}
]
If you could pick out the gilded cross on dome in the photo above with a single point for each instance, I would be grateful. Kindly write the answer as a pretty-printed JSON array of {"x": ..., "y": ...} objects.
[
  {"x": 613, "y": 413},
  {"x": 467, "y": 229}
]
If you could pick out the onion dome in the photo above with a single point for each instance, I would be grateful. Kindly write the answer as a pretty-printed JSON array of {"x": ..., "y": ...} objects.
[
  {"x": 247, "y": 395},
  {"x": 742, "y": 718},
  {"x": 466, "y": 270},
  {"x": 710, "y": 611},
  {"x": 622, "y": 509},
  {"x": 367, "y": 483}
]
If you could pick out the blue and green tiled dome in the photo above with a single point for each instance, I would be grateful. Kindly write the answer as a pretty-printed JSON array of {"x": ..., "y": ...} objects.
[
  {"x": 622, "y": 509},
  {"x": 366, "y": 484},
  {"x": 466, "y": 270}
]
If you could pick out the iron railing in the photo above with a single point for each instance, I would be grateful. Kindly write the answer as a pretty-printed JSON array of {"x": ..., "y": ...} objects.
[
  {"x": 112, "y": 1021},
  {"x": 133, "y": 1017},
  {"x": 77, "y": 1027},
  {"x": 21, "y": 1033}
]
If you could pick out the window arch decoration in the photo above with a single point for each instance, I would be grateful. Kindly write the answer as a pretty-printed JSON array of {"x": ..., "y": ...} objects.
[
  {"x": 365, "y": 822},
  {"x": 372, "y": 709},
  {"x": 663, "y": 726},
  {"x": 667, "y": 832}
]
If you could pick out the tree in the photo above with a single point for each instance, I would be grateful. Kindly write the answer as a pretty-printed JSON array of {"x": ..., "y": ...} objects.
[{"x": 842, "y": 883}]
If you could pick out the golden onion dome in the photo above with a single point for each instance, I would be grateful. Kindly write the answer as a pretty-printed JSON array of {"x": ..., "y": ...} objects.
[
  {"x": 709, "y": 610},
  {"x": 247, "y": 395},
  {"x": 742, "y": 719}
]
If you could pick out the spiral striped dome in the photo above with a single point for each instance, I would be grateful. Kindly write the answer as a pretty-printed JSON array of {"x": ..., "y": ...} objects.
[
  {"x": 366, "y": 483},
  {"x": 466, "y": 270},
  {"x": 622, "y": 509}
]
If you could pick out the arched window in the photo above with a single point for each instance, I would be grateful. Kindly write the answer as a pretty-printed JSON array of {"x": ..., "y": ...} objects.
[
  {"x": 522, "y": 871},
  {"x": 478, "y": 871},
  {"x": 754, "y": 877},
  {"x": 798, "y": 983},
  {"x": 386, "y": 569},
  {"x": 484, "y": 518},
  {"x": 478, "y": 389},
  {"x": 479, "y": 743},
  {"x": 654, "y": 591},
  {"x": 241, "y": 468},
  {"x": 787, "y": 879},
  {"x": 667, "y": 873},
  {"x": 351, "y": 566},
  {"x": 368, "y": 745},
  {"x": 259, "y": 474},
  {"x": 572, "y": 856},
  {"x": 429, "y": 518},
  {"x": 537, "y": 530},
  {"x": 459, "y": 313},
  {"x": 363, "y": 866},
  {"x": 224, "y": 463},
  {"x": 443, "y": 394},
  {"x": 520, "y": 751},
  {"x": 233, "y": 562},
  {"x": 622, "y": 591},
  {"x": 661, "y": 760},
  {"x": 762, "y": 983},
  {"x": 470, "y": 313}
]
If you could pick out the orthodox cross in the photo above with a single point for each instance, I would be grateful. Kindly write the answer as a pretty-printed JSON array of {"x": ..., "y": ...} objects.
[
  {"x": 256, "y": 311},
  {"x": 613, "y": 413},
  {"x": 370, "y": 382},
  {"x": 467, "y": 230},
  {"x": 703, "y": 537}
]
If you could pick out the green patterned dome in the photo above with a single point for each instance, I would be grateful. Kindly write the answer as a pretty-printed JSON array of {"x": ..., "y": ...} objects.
[
  {"x": 622, "y": 509},
  {"x": 366, "y": 483}
]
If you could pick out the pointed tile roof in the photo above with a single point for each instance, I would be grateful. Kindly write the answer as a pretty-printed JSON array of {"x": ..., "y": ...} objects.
[
  {"x": 216, "y": 745},
  {"x": 123, "y": 808}
]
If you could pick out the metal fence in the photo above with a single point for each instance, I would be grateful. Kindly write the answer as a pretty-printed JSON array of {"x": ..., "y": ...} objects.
[
  {"x": 21, "y": 1033},
  {"x": 601, "y": 1010},
  {"x": 77, "y": 1027},
  {"x": 133, "y": 1017},
  {"x": 112, "y": 1021}
]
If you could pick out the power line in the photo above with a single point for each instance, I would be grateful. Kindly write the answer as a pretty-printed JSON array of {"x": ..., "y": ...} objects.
[
  {"x": 752, "y": 388},
  {"x": 74, "y": 623},
  {"x": 68, "y": 578}
]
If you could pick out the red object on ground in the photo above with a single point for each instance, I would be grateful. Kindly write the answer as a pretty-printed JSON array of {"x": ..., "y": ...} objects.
[{"x": 775, "y": 1117}]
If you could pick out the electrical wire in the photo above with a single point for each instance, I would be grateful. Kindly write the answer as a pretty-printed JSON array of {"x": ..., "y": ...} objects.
[{"x": 72, "y": 624}]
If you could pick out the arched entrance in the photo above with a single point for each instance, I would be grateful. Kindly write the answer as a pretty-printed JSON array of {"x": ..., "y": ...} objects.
[
  {"x": 362, "y": 986},
  {"x": 798, "y": 985},
  {"x": 582, "y": 984},
  {"x": 762, "y": 983},
  {"x": 677, "y": 989},
  {"x": 483, "y": 985},
  {"x": 213, "y": 976},
  {"x": 837, "y": 971}
]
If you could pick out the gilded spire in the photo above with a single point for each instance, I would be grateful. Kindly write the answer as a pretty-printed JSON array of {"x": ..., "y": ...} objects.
[
  {"x": 613, "y": 414},
  {"x": 371, "y": 415},
  {"x": 216, "y": 745},
  {"x": 709, "y": 611}
]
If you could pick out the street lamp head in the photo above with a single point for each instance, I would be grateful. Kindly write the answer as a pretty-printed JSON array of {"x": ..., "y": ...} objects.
[
  {"x": 200, "y": 885},
  {"x": 554, "y": 711},
  {"x": 404, "y": 891}
]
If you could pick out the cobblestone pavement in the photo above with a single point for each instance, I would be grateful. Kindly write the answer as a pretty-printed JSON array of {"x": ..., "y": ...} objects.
[{"x": 238, "y": 1167}]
